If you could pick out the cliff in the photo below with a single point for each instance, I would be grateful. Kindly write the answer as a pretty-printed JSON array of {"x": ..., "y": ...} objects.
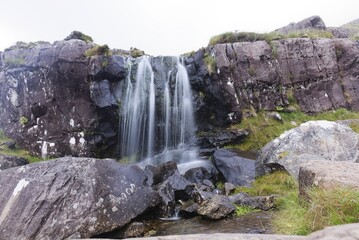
[{"x": 63, "y": 98}]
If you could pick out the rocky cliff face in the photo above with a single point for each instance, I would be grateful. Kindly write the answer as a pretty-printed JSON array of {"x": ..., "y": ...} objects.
[{"x": 57, "y": 99}]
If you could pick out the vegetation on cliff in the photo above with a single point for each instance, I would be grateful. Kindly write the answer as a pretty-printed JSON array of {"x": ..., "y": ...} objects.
[{"x": 231, "y": 37}]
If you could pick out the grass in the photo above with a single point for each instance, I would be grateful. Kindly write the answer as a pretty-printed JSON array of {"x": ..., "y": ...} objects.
[
  {"x": 294, "y": 215},
  {"x": 264, "y": 129},
  {"x": 98, "y": 50},
  {"x": 18, "y": 152},
  {"x": 243, "y": 210},
  {"x": 231, "y": 37},
  {"x": 210, "y": 63}
]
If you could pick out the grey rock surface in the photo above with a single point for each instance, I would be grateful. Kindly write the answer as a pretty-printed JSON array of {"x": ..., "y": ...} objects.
[
  {"x": 235, "y": 169},
  {"x": 313, "y": 140},
  {"x": 313, "y": 22},
  {"x": 217, "y": 207},
  {"x": 71, "y": 198}
]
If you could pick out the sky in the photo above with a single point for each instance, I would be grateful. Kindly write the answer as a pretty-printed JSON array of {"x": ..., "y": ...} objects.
[{"x": 159, "y": 27}]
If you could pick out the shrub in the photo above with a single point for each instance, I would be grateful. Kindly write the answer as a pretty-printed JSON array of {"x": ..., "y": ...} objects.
[{"x": 98, "y": 50}]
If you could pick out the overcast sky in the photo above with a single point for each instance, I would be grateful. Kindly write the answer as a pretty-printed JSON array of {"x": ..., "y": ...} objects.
[{"x": 159, "y": 27}]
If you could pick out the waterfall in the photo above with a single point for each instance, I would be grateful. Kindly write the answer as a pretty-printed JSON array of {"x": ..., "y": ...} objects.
[{"x": 156, "y": 117}]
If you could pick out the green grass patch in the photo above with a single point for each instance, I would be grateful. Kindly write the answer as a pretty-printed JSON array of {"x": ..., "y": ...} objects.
[
  {"x": 98, "y": 50},
  {"x": 18, "y": 152},
  {"x": 231, "y": 37},
  {"x": 244, "y": 210},
  {"x": 264, "y": 129},
  {"x": 210, "y": 63}
]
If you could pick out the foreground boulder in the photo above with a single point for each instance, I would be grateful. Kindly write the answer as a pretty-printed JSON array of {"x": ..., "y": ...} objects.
[
  {"x": 234, "y": 168},
  {"x": 216, "y": 207},
  {"x": 71, "y": 198},
  {"x": 7, "y": 161},
  {"x": 313, "y": 140},
  {"x": 327, "y": 176}
]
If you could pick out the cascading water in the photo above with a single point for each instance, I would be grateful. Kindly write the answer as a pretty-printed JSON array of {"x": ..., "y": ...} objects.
[{"x": 157, "y": 122}]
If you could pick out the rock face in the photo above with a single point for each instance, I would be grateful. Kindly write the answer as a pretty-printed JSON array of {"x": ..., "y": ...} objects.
[
  {"x": 313, "y": 140},
  {"x": 71, "y": 198},
  {"x": 235, "y": 169},
  {"x": 7, "y": 161},
  {"x": 314, "y": 22},
  {"x": 328, "y": 175}
]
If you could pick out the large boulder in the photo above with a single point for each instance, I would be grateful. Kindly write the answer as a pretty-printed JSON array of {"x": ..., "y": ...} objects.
[
  {"x": 328, "y": 175},
  {"x": 234, "y": 168},
  {"x": 313, "y": 22},
  {"x": 71, "y": 198},
  {"x": 313, "y": 140},
  {"x": 7, "y": 161},
  {"x": 347, "y": 232}
]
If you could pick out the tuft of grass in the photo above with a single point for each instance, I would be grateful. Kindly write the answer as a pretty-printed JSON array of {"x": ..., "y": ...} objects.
[
  {"x": 210, "y": 63},
  {"x": 326, "y": 207},
  {"x": 244, "y": 210},
  {"x": 354, "y": 126},
  {"x": 264, "y": 129},
  {"x": 231, "y": 37},
  {"x": 98, "y": 50}
]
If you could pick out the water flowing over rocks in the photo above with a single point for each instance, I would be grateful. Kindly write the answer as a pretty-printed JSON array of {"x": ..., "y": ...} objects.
[
  {"x": 313, "y": 140},
  {"x": 71, "y": 198}
]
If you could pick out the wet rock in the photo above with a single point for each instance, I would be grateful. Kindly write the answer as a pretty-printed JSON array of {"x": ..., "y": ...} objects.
[
  {"x": 314, "y": 140},
  {"x": 221, "y": 138},
  {"x": 135, "y": 229},
  {"x": 201, "y": 196},
  {"x": 235, "y": 169},
  {"x": 260, "y": 202},
  {"x": 156, "y": 175},
  {"x": 216, "y": 207},
  {"x": 197, "y": 175},
  {"x": 189, "y": 208},
  {"x": 101, "y": 94},
  {"x": 7, "y": 161},
  {"x": 328, "y": 175},
  {"x": 97, "y": 195},
  {"x": 208, "y": 183},
  {"x": 182, "y": 188}
]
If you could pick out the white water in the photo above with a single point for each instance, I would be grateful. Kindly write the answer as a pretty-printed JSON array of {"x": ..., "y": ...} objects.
[{"x": 157, "y": 123}]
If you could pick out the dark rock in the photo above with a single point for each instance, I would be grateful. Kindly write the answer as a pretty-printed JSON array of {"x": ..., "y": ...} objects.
[
  {"x": 9, "y": 144},
  {"x": 108, "y": 67},
  {"x": 314, "y": 22},
  {"x": 208, "y": 183},
  {"x": 201, "y": 196},
  {"x": 235, "y": 169},
  {"x": 222, "y": 138},
  {"x": 275, "y": 116},
  {"x": 183, "y": 189},
  {"x": 7, "y": 161},
  {"x": 228, "y": 188},
  {"x": 97, "y": 195},
  {"x": 101, "y": 94},
  {"x": 216, "y": 207},
  {"x": 159, "y": 174},
  {"x": 197, "y": 175},
  {"x": 135, "y": 229},
  {"x": 313, "y": 140},
  {"x": 78, "y": 35},
  {"x": 189, "y": 207},
  {"x": 261, "y": 202}
]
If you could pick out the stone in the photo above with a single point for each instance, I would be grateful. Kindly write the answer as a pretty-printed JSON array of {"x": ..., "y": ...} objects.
[
  {"x": 313, "y": 22},
  {"x": 228, "y": 188},
  {"x": 222, "y": 138},
  {"x": 9, "y": 144},
  {"x": 159, "y": 174},
  {"x": 197, "y": 175},
  {"x": 97, "y": 195},
  {"x": 235, "y": 169},
  {"x": 328, "y": 175},
  {"x": 275, "y": 116},
  {"x": 101, "y": 94},
  {"x": 313, "y": 140},
  {"x": 216, "y": 207},
  {"x": 347, "y": 232},
  {"x": 135, "y": 229},
  {"x": 7, "y": 161},
  {"x": 258, "y": 202}
]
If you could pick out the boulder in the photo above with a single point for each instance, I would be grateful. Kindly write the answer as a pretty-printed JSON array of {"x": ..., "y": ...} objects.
[
  {"x": 216, "y": 207},
  {"x": 71, "y": 198},
  {"x": 158, "y": 174},
  {"x": 197, "y": 175},
  {"x": 328, "y": 175},
  {"x": 234, "y": 168},
  {"x": 347, "y": 232},
  {"x": 7, "y": 161},
  {"x": 258, "y": 202},
  {"x": 313, "y": 140},
  {"x": 221, "y": 138},
  {"x": 228, "y": 188},
  {"x": 313, "y": 22}
]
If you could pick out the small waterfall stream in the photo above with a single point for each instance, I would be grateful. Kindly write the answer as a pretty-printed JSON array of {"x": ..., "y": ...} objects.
[{"x": 156, "y": 118}]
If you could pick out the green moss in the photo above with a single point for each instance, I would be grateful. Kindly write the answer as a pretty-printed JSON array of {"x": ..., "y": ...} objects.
[
  {"x": 15, "y": 62},
  {"x": 210, "y": 62},
  {"x": 134, "y": 52},
  {"x": 244, "y": 210},
  {"x": 98, "y": 50},
  {"x": 354, "y": 126},
  {"x": 23, "y": 120},
  {"x": 263, "y": 129}
]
